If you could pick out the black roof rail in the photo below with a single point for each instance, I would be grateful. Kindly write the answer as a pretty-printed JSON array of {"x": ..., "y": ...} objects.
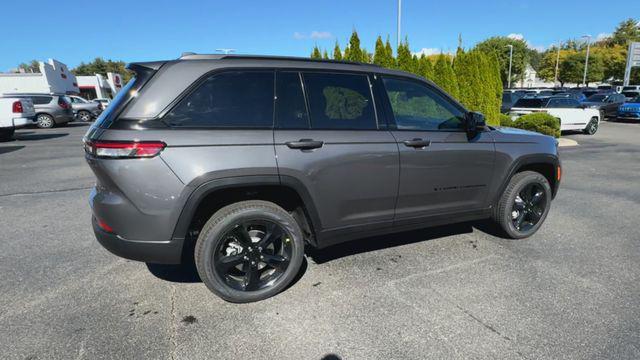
[{"x": 192, "y": 56}]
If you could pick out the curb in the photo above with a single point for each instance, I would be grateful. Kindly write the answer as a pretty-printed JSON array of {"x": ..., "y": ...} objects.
[{"x": 564, "y": 142}]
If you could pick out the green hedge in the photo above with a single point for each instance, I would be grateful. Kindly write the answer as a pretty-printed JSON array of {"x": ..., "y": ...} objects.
[{"x": 538, "y": 122}]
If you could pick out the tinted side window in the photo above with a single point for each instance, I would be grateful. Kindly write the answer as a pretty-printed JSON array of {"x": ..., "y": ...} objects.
[
  {"x": 418, "y": 107},
  {"x": 555, "y": 103},
  {"x": 291, "y": 110},
  {"x": 572, "y": 103},
  {"x": 41, "y": 100},
  {"x": 340, "y": 101},
  {"x": 235, "y": 99}
]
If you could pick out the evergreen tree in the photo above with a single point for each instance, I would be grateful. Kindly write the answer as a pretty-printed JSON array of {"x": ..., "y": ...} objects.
[
  {"x": 425, "y": 68},
  {"x": 391, "y": 61},
  {"x": 347, "y": 54},
  {"x": 444, "y": 76},
  {"x": 355, "y": 52},
  {"x": 315, "y": 54},
  {"x": 325, "y": 55},
  {"x": 380, "y": 54},
  {"x": 337, "y": 53},
  {"x": 405, "y": 60}
]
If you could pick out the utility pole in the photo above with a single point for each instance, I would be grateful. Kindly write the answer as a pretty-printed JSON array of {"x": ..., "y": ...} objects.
[
  {"x": 586, "y": 60},
  {"x": 399, "y": 20},
  {"x": 557, "y": 63},
  {"x": 510, "y": 62}
]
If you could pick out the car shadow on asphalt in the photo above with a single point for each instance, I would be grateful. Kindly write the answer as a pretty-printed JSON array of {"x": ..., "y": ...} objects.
[
  {"x": 187, "y": 272},
  {"x": 8, "y": 149},
  {"x": 375, "y": 243},
  {"x": 32, "y": 137}
]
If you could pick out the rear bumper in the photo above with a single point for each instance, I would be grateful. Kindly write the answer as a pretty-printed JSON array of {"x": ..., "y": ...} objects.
[
  {"x": 20, "y": 122},
  {"x": 158, "y": 252}
]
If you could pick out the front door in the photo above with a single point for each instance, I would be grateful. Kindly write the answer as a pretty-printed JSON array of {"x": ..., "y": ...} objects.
[
  {"x": 330, "y": 142},
  {"x": 441, "y": 170}
]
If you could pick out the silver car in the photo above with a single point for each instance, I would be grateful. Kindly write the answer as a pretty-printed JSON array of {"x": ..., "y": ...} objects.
[
  {"x": 85, "y": 110},
  {"x": 51, "y": 109}
]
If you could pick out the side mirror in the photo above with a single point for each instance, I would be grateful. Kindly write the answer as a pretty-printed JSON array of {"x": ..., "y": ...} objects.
[{"x": 474, "y": 121}]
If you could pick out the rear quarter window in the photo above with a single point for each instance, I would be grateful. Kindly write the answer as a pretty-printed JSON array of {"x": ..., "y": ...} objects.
[
  {"x": 232, "y": 99},
  {"x": 41, "y": 100}
]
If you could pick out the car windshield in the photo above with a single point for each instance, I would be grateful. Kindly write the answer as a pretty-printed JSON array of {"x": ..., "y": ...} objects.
[
  {"x": 635, "y": 100},
  {"x": 529, "y": 103},
  {"x": 597, "y": 98}
]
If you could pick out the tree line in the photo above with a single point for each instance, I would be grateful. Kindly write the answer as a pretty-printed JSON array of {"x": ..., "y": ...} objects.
[{"x": 473, "y": 77}]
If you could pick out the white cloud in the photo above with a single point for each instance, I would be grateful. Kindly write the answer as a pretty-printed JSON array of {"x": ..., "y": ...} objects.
[
  {"x": 316, "y": 35},
  {"x": 320, "y": 35},
  {"x": 603, "y": 36},
  {"x": 515, "y": 36},
  {"x": 431, "y": 51}
]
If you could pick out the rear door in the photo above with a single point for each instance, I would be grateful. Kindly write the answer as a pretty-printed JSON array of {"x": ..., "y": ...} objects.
[
  {"x": 329, "y": 139},
  {"x": 572, "y": 115},
  {"x": 442, "y": 171}
]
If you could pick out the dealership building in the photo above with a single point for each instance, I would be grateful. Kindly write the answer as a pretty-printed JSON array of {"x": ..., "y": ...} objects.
[{"x": 54, "y": 77}]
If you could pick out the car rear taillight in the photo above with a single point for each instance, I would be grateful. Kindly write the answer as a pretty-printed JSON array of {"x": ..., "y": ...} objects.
[
  {"x": 124, "y": 149},
  {"x": 63, "y": 104},
  {"x": 104, "y": 226},
  {"x": 17, "y": 107}
]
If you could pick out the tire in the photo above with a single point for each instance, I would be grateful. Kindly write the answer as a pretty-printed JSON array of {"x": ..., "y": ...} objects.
[
  {"x": 592, "y": 126},
  {"x": 45, "y": 121},
  {"x": 84, "y": 116},
  {"x": 514, "y": 205},
  {"x": 7, "y": 134},
  {"x": 223, "y": 241}
]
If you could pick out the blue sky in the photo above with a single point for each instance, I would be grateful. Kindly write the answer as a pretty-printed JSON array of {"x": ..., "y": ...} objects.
[{"x": 75, "y": 31}]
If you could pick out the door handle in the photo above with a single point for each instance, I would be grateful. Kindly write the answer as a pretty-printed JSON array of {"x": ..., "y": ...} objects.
[
  {"x": 417, "y": 143},
  {"x": 304, "y": 144}
]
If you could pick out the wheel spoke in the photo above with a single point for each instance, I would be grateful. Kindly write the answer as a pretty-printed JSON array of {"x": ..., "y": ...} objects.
[
  {"x": 277, "y": 262},
  {"x": 537, "y": 197},
  {"x": 251, "y": 277},
  {"x": 519, "y": 219},
  {"x": 273, "y": 232},
  {"x": 227, "y": 262},
  {"x": 243, "y": 235}
]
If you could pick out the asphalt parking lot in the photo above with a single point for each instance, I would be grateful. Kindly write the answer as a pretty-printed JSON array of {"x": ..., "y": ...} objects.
[{"x": 571, "y": 291}]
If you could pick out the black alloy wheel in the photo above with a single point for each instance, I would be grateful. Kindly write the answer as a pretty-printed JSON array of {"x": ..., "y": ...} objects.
[
  {"x": 253, "y": 254},
  {"x": 528, "y": 207}
]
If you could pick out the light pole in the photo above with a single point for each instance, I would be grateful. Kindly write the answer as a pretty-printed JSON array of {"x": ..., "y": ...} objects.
[
  {"x": 510, "y": 62},
  {"x": 555, "y": 80},
  {"x": 399, "y": 17},
  {"x": 586, "y": 60}
]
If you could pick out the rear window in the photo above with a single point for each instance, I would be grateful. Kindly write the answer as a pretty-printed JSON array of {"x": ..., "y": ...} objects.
[
  {"x": 235, "y": 99},
  {"x": 630, "y": 94},
  {"x": 41, "y": 100},
  {"x": 597, "y": 98},
  {"x": 635, "y": 101},
  {"x": 629, "y": 88},
  {"x": 529, "y": 103},
  {"x": 340, "y": 101}
]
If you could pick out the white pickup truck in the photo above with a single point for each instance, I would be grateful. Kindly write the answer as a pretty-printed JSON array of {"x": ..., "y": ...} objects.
[
  {"x": 15, "y": 113},
  {"x": 572, "y": 114}
]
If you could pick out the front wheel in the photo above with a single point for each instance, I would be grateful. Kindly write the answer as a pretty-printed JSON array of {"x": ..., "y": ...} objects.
[
  {"x": 592, "y": 127},
  {"x": 524, "y": 205},
  {"x": 249, "y": 251},
  {"x": 45, "y": 121}
]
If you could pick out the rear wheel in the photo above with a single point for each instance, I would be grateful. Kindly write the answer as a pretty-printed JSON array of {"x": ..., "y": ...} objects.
[
  {"x": 45, "y": 121},
  {"x": 84, "y": 116},
  {"x": 249, "y": 251},
  {"x": 7, "y": 134},
  {"x": 524, "y": 205},
  {"x": 592, "y": 126}
]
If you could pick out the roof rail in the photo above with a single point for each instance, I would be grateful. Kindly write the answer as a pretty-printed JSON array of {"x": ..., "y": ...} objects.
[{"x": 193, "y": 56}]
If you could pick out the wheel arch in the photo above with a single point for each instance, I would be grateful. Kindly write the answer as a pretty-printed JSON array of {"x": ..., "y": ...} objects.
[
  {"x": 546, "y": 164},
  {"x": 206, "y": 198}
]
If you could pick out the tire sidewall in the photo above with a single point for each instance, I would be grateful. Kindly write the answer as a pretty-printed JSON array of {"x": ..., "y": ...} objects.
[
  {"x": 521, "y": 183},
  {"x": 223, "y": 221},
  {"x": 590, "y": 126},
  {"x": 83, "y": 112}
]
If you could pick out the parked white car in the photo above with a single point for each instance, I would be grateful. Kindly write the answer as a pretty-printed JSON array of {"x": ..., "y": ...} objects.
[
  {"x": 572, "y": 114},
  {"x": 15, "y": 113}
]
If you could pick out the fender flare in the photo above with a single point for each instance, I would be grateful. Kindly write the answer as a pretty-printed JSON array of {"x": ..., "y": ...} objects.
[
  {"x": 200, "y": 191},
  {"x": 528, "y": 160}
]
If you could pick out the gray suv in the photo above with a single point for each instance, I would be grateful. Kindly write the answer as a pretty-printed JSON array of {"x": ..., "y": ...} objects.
[
  {"x": 51, "y": 109},
  {"x": 239, "y": 162}
]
